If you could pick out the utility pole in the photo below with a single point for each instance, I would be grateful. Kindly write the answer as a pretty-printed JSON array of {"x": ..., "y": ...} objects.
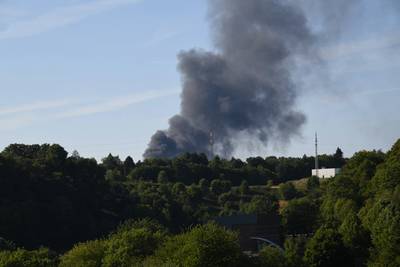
[{"x": 316, "y": 155}]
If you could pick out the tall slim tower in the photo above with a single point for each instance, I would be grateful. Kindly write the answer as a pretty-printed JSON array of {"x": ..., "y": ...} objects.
[
  {"x": 211, "y": 145},
  {"x": 316, "y": 154}
]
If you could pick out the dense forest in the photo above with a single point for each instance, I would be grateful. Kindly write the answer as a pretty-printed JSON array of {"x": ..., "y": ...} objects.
[{"x": 58, "y": 209}]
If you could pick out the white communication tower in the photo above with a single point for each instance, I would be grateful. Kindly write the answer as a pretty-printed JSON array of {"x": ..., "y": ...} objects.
[{"x": 316, "y": 155}]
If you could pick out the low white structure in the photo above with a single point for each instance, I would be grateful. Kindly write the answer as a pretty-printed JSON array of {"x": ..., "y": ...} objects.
[{"x": 325, "y": 173}]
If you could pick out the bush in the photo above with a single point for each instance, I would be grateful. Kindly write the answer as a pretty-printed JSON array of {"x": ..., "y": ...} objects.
[
  {"x": 326, "y": 249},
  {"x": 129, "y": 245},
  {"x": 220, "y": 186},
  {"x": 265, "y": 204},
  {"x": 24, "y": 258},
  {"x": 206, "y": 245},
  {"x": 272, "y": 257},
  {"x": 127, "y": 248},
  {"x": 244, "y": 188},
  {"x": 89, "y": 254},
  {"x": 300, "y": 216},
  {"x": 294, "y": 251},
  {"x": 288, "y": 191},
  {"x": 312, "y": 183}
]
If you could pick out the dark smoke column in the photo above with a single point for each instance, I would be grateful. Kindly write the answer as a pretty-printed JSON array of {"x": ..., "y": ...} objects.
[{"x": 243, "y": 89}]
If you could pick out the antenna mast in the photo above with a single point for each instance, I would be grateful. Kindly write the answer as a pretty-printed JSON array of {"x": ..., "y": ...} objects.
[
  {"x": 316, "y": 155},
  {"x": 211, "y": 144}
]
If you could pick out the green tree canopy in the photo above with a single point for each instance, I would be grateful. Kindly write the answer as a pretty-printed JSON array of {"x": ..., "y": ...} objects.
[
  {"x": 272, "y": 257},
  {"x": 300, "y": 216},
  {"x": 288, "y": 191},
  {"x": 88, "y": 254},
  {"x": 261, "y": 204},
  {"x": 206, "y": 245},
  {"x": 24, "y": 258},
  {"x": 326, "y": 249}
]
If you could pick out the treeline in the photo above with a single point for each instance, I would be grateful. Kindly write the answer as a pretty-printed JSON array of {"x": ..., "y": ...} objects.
[
  {"x": 147, "y": 244},
  {"x": 190, "y": 168},
  {"x": 51, "y": 200}
]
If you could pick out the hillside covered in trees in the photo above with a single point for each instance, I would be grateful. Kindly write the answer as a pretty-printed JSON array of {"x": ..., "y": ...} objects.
[{"x": 60, "y": 210}]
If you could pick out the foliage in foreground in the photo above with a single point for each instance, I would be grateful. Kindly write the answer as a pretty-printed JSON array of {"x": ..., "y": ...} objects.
[
  {"x": 351, "y": 220},
  {"x": 128, "y": 246},
  {"x": 24, "y": 258},
  {"x": 206, "y": 245}
]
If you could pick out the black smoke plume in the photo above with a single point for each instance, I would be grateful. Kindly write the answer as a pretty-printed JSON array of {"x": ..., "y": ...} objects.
[{"x": 243, "y": 88}]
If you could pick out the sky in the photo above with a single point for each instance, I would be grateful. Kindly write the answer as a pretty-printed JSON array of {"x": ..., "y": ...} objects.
[{"x": 100, "y": 76}]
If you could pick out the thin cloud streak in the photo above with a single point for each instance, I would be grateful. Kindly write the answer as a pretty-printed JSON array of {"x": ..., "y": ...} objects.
[
  {"x": 35, "y": 107},
  {"x": 115, "y": 104},
  {"x": 23, "y": 116},
  {"x": 361, "y": 47},
  {"x": 59, "y": 17}
]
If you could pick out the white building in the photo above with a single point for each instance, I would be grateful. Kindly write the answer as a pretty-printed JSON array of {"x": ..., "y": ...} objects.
[{"x": 325, "y": 173}]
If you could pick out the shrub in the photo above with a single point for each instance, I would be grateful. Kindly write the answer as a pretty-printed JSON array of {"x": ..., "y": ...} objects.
[
  {"x": 272, "y": 257},
  {"x": 89, "y": 254},
  {"x": 205, "y": 245},
  {"x": 24, "y": 258}
]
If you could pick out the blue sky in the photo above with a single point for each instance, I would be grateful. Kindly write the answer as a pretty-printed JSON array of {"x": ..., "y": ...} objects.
[{"x": 100, "y": 76}]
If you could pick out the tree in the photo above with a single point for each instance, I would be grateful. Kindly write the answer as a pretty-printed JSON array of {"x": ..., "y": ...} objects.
[
  {"x": 343, "y": 186},
  {"x": 110, "y": 162},
  {"x": 88, "y": 254},
  {"x": 224, "y": 197},
  {"x": 361, "y": 169},
  {"x": 255, "y": 162},
  {"x": 178, "y": 188},
  {"x": 383, "y": 222},
  {"x": 272, "y": 257},
  {"x": 128, "y": 247},
  {"x": 326, "y": 249},
  {"x": 335, "y": 210},
  {"x": 162, "y": 177},
  {"x": 338, "y": 158},
  {"x": 288, "y": 191},
  {"x": 75, "y": 154},
  {"x": 244, "y": 188},
  {"x": 387, "y": 176},
  {"x": 55, "y": 155},
  {"x": 294, "y": 250},
  {"x": 300, "y": 216},
  {"x": 42, "y": 257},
  {"x": 237, "y": 163},
  {"x": 354, "y": 236},
  {"x": 114, "y": 175},
  {"x": 194, "y": 193},
  {"x": 204, "y": 245},
  {"x": 216, "y": 187},
  {"x": 226, "y": 185},
  {"x": 204, "y": 186},
  {"x": 129, "y": 165},
  {"x": 312, "y": 183},
  {"x": 265, "y": 204},
  {"x": 269, "y": 185},
  {"x": 48, "y": 199}
]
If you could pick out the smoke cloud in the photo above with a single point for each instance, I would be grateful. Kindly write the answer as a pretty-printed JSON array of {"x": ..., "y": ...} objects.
[{"x": 246, "y": 86}]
